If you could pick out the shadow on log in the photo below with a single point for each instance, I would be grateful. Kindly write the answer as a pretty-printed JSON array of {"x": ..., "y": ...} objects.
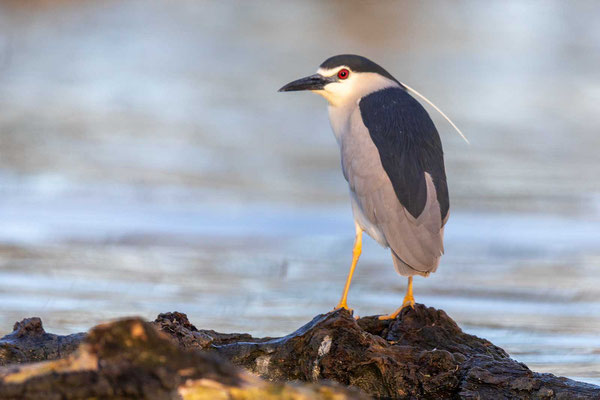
[{"x": 422, "y": 354}]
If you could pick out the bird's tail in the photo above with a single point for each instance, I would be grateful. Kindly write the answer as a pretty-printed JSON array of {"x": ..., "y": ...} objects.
[{"x": 406, "y": 270}]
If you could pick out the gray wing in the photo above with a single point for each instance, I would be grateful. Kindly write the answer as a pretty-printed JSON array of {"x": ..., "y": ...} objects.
[
  {"x": 416, "y": 242},
  {"x": 408, "y": 144}
]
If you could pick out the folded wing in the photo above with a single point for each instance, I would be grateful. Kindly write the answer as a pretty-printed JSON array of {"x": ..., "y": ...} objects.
[{"x": 395, "y": 167}]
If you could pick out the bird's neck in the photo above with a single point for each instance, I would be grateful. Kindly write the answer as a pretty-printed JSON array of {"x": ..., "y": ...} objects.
[
  {"x": 339, "y": 118},
  {"x": 343, "y": 103}
]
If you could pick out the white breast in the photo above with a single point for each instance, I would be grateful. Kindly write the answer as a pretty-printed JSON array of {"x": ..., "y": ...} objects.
[{"x": 352, "y": 141}]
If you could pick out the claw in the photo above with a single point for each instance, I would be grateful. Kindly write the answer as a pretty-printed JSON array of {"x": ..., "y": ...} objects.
[
  {"x": 343, "y": 307},
  {"x": 409, "y": 301}
]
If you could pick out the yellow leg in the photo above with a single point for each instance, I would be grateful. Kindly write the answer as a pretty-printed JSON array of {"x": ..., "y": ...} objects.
[
  {"x": 355, "y": 255},
  {"x": 409, "y": 300}
]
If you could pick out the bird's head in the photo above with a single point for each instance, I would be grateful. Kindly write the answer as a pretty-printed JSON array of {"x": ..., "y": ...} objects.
[
  {"x": 347, "y": 78},
  {"x": 343, "y": 79}
]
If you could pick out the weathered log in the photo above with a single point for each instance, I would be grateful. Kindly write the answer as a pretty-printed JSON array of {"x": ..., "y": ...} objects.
[
  {"x": 132, "y": 359},
  {"x": 29, "y": 342},
  {"x": 421, "y": 354}
]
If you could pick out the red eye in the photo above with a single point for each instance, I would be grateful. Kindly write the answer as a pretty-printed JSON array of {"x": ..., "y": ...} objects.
[{"x": 343, "y": 73}]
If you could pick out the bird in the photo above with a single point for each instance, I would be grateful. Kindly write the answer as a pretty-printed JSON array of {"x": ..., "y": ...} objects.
[{"x": 393, "y": 161}]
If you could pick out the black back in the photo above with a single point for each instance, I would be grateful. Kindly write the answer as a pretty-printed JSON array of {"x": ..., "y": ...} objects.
[
  {"x": 408, "y": 144},
  {"x": 356, "y": 64}
]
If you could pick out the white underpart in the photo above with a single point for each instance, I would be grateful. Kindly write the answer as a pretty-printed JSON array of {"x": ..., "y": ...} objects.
[
  {"x": 343, "y": 98},
  {"x": 363, "y": 222},
  {"x": 411, "y": 90}
]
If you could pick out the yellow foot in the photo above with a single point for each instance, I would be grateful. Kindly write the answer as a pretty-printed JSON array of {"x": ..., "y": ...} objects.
[
  {"x": 342, "y": 306},
  {"x": 410, "y": 303}
]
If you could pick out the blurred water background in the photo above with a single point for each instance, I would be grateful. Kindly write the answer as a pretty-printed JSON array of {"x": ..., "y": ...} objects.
[{"x": 148, "y": 164}]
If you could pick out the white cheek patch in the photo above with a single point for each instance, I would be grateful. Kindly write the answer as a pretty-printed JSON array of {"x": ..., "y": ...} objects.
[
  {"x": 357, "y": 85},
  {"x": 335, "y": 92},
  {"x": 339, "y": 87}
]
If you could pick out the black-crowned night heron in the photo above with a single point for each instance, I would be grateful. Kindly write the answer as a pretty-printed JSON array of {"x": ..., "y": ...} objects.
[{"x": 393, "y": 161}]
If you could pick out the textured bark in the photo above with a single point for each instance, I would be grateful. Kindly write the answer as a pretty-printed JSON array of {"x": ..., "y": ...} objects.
[
  {"x": 422, "y": 354},
  {"x": 131, "y": 359},
  {"x": 29, "y": 342}
]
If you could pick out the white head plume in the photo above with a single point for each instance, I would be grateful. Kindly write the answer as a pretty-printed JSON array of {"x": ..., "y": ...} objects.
[{"x": 411, "y": 90}]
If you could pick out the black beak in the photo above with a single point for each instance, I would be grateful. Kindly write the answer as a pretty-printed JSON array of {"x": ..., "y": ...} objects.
[{"x": 313, "y": 82}]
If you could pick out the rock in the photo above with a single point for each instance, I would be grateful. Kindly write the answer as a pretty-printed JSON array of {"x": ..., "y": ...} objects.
[
  {"x": 422, "y": 354},
  {"x": 132, "y": 359}
]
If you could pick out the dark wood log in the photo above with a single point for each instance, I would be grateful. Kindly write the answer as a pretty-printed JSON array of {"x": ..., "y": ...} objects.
[
  {"x": 131, "y": 359},
  {"x": 422, "y": 354},
  {"x": 29, "y": 342}
]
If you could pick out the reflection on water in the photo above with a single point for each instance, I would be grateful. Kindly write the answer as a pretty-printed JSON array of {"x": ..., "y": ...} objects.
[{"x": 147, "y": 164}]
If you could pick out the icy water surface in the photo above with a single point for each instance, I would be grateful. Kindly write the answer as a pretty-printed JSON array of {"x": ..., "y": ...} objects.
[{"x": 147, "y": 164}]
